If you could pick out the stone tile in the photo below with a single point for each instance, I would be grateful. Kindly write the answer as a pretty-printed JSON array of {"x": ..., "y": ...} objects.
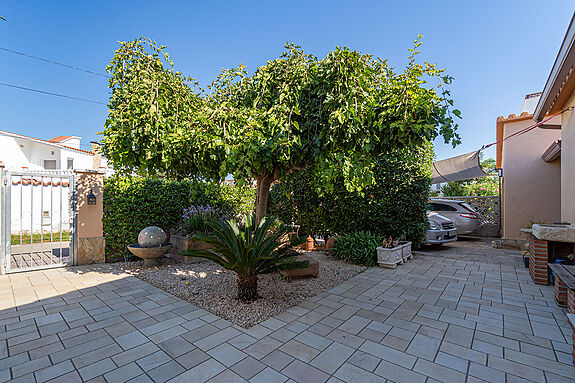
[
  {"x": 424, "y": 347},
  {"x": 201, "y": 373},
  {"x": 438, "y": 372},
  {"x": 350, "y": 373},
  {"x": 227, "y": 376},
  {"x": 304, "y": 373},
  {"x": 398, "y": 374},
  {"x": 226, "y": 354},
  {"x": 486, "y": 373},
  {"x": 313, "y": 340},
  {"x": 96, "y": 369},
  {"x": 268, "y": 375},
  {"x": 278, "y": 359},
  {"x": 191, "y": 359},
  {"x": 29, "y": 367},
  {"x": 389, "y": 354},
  {"x": 364, "y": 360},
  {"x": 166, "y": 371},
  {"x": 53, "y": 371},
  {"x": 248, "y": 367},
  {"x": 330, "y": 359},
  {"x": 452, "y": 362},
  {"x": 262, "y": 347},
  {"x": 176, "y": 346},
  {"x": 131, "y": 340},
  {"x": 153, "y": 360},
  {"x": 299, "y": 350}
]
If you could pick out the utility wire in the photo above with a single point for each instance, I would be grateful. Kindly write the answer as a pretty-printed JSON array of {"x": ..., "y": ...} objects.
[
  {"x": 54, "y": 62},
  {"x": 52, "y": 94}
]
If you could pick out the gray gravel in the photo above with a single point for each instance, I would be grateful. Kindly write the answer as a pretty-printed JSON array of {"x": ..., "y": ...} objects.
[{"x": 213, "y": 288}]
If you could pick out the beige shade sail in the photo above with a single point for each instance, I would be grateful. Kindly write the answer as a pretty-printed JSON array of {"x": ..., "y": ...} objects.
[{"x": 463, "y": 167}]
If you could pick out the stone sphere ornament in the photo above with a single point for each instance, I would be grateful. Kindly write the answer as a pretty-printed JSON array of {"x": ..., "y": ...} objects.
[{"x": 151, "y": 236}]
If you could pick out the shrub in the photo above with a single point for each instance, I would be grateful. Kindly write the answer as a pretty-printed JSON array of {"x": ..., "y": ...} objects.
[
  {"x": 394, "y": 206},
  {"x": 359, "y": 248},
  {"x": 249, "y": 249},
  {"x": 132, "y": 203},
  {"x": 196, "y": 218}
]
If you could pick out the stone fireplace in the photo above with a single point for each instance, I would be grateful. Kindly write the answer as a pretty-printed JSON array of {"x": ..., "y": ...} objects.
[{"x": 547, "y": 244}]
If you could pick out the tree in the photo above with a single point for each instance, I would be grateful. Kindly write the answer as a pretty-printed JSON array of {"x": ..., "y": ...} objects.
[
  {"x": 249, "y": 249},
  {"x": 333, "y": 115}
]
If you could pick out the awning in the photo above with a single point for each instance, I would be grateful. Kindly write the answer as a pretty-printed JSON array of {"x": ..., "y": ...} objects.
[{"x": 463, "y": 167}]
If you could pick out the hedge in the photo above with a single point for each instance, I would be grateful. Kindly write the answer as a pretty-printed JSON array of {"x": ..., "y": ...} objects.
[
  {"x": 133, "y": 203},
  {"x": 394, "y": 206}
]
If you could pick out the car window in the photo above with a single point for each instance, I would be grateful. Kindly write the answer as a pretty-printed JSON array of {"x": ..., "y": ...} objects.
[
  {"x": 441, "y": 207},
  {"x": 468, "y": 207}
]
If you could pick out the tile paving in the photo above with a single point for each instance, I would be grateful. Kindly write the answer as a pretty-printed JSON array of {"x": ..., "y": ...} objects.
[{"x": 460, "y": 313}]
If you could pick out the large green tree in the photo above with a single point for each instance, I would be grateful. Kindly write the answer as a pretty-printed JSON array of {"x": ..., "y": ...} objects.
[{"x": 332, "y": 115}]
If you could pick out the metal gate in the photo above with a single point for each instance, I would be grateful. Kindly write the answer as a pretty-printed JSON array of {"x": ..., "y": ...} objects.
[{"x": 38, "y": 220}]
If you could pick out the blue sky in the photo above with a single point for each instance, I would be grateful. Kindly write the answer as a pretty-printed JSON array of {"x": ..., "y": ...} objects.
[{"x": 498, "y": 51}]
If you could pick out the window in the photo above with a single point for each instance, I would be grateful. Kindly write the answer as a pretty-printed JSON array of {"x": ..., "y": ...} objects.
[
  {"x": 441, "y": 207},
  {"x": 50, "y": 164},
  {"x": 70, "y": 163}
]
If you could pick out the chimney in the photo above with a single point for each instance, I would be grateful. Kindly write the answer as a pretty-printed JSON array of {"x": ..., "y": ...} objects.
[{"x": 96, "y": 148}]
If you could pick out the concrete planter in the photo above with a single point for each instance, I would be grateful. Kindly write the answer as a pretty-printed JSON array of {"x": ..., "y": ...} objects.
[
  {"x": 406, "y": 251},
  {"x": 181, "y": 243},
  {"x": 390, "y": 258}
]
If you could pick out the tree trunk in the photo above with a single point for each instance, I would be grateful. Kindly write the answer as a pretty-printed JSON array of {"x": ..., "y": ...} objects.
[
  {"x": 247, "y": 287},
  {"x": 264, "y": 183}
]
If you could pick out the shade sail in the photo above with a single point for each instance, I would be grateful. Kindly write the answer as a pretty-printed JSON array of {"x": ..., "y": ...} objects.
[{"x": 463, "y": 167}]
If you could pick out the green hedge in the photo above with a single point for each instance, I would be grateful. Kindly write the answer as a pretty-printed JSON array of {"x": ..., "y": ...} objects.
[
  {"x": 133, "y": 203},
  {"x": 395, "y": 206}
]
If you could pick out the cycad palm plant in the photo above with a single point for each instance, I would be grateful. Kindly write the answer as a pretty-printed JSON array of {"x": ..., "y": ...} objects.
[{"x": 249, "y": 249}]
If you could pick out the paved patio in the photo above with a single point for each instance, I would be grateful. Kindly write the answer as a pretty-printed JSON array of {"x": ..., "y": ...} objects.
[{"x": 462, "y": 313}]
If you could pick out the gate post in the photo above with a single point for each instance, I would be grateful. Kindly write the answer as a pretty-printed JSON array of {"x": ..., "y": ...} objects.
[{"x": 90, "y": 234}]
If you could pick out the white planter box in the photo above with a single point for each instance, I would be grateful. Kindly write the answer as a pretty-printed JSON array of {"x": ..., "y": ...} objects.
[
  {"x": 406, "y": 251},
  {"x": 389, "y": 258}
]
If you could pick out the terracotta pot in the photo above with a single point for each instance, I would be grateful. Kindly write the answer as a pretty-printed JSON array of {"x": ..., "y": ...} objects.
[{"x": 310, "y": 244}]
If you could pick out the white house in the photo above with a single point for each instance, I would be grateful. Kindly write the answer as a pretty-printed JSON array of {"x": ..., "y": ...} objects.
[
  {"x": 40, "y": 203},
  {"x": 19, "y": 152}
]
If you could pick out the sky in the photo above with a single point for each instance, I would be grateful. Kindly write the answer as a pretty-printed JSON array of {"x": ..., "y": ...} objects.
[{"x": 497, "y": 51}]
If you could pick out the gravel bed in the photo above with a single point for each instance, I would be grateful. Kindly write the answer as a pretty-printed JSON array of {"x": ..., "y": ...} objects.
[{"x": 213, "y": 288}]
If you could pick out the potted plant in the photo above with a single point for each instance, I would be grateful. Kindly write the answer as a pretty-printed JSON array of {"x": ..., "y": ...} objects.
[
  {"x": 390, "y": 253},
  {"x": 194, "y": 221}
]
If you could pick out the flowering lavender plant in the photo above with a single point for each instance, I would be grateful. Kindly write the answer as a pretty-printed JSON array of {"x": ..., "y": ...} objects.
[{"x": 195, "y": 219}]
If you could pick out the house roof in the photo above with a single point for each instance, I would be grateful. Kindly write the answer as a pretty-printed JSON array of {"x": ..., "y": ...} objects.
[
  {"x": 50, "y": 142},
  {"x": 59, "y": 139},
  {"x": 561, "y": 82}
]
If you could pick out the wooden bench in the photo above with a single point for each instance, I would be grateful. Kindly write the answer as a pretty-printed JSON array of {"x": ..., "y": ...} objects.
[{"x": 564, "y": 289}]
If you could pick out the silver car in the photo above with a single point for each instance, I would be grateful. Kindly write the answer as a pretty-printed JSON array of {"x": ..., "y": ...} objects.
[
  {"x": 466, "y": 219},
  {"x": 441, "y": 229}
]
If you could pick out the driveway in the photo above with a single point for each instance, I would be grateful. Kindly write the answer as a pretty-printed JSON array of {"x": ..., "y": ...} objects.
[{"x": 460, "y": 313}]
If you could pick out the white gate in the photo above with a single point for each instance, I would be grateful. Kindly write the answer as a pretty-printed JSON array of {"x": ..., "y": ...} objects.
[{"x": 38, "y": 219}]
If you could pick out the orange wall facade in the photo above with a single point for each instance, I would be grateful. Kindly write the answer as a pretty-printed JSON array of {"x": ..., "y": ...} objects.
[{"x": 531, "y": 187}]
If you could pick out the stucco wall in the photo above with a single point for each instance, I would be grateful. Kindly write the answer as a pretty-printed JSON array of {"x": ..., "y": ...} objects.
[
  {"x": 568, "y": 163},
  {"x": 531, "y": 186},
  {"x": 90, "y": 216}
]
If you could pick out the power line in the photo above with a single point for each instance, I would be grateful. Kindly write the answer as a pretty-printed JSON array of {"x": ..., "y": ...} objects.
[
  {"x": 52, "y": 94},
  {"x": 56, "y": 63}
]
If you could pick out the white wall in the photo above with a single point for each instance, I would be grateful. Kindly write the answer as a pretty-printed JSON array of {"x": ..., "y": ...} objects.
[{"x": 37, "y": 207}]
